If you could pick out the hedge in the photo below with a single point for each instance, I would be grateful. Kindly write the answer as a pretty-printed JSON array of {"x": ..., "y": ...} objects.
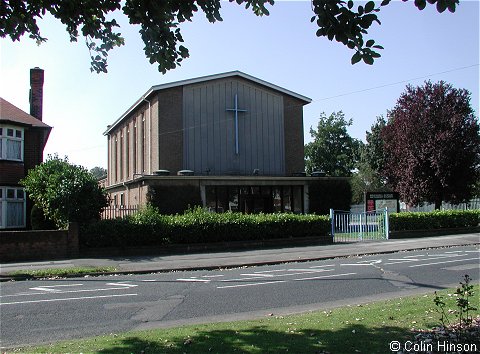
[
  {"x": 150, "y": 228},
  {"x": 434, "y": 220}
]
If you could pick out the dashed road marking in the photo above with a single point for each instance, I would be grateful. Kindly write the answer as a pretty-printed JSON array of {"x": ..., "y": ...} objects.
[{"x": 65, "y": 299}]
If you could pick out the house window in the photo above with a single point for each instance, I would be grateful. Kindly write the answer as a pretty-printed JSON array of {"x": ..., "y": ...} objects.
[
  {"x": 12, "y": 207},
  {"x": 11, "y": 143}
]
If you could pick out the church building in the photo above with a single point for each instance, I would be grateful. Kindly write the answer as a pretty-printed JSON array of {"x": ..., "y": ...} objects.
[{"x": 228, "y": 141}]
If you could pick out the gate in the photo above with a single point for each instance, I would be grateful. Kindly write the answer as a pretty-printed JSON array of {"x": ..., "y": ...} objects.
[{"x": 352, "y": 227}]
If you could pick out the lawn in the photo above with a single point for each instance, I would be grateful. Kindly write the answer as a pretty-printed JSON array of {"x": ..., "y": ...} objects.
[{"x": 367, "y": 328}]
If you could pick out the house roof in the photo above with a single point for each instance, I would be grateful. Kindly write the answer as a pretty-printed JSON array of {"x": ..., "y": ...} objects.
[
  {"x": 12, "y": 114},
  {"x": 204, "y": 79}
]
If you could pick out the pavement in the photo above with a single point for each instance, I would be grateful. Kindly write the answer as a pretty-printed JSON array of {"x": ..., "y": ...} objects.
[{"x": 239, "y": 258}]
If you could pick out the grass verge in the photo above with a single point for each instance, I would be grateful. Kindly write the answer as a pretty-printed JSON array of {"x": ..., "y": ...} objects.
[
  {"x": 61, "y": 272},
  {"x": 367, "y": 328}
]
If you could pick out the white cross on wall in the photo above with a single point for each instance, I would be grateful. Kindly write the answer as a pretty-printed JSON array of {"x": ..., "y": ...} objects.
[{"x": 236, "y": 110}]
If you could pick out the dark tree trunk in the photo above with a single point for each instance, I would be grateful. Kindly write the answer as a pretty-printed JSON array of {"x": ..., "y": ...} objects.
[{"x": 438, "y": 204}]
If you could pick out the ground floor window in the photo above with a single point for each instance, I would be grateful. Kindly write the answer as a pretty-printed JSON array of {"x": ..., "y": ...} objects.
[
  {"x": 12, "y": 207},
  {"x": 255, "y": 199}
]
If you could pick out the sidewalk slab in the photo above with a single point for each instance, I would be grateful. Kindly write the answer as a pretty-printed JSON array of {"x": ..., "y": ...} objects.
[{"x": 212, "y": 260}]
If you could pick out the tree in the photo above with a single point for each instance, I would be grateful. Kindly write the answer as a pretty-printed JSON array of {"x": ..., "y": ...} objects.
[
  {"x": 159, "y": 23},
  {"x": 65, "y": 192},
  {"x": 98, "y": 172},
  {"x": 432, "y": 145},
  {"x": 332, "y": 150},
  {"x": 367, "y": 176}
]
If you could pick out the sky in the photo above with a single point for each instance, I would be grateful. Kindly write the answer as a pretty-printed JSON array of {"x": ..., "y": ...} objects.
[{"x": 281, "y": 48}]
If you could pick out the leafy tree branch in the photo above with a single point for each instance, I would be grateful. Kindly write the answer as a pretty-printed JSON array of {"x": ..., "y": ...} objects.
[{"x": 159, "y": 22}]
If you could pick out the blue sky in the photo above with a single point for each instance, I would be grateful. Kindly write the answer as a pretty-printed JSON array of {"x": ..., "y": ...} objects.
[{"x": 281, "y": 48}]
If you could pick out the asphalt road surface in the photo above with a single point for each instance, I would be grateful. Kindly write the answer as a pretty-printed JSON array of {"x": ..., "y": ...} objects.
[{"x": 38, "y": 311}]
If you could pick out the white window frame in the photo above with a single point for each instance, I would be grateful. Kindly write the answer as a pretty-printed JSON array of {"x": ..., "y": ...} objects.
[
  {"x": 4, "y": 138},
  {"x": 19, "y": 197}
]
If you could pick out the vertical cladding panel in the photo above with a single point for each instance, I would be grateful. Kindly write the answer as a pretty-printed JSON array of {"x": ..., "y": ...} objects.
[
  {"x": 197, "y": 112},
  {"x": 217, "y": 126},
  {"x": 230, "y": 158},
  {"x": 210, "y": 128}
]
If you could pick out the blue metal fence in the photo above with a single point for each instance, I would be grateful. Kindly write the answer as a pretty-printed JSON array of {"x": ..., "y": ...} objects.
[{"x": 360, "y": 226}]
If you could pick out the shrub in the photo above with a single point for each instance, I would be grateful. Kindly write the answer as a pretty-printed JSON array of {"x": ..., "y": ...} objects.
[
  {"x": 149, "y": 227},
  {"x": 64, "y": 192},
  {"x": 39, "y": 221},
  {"x": 434, "y": 220}
]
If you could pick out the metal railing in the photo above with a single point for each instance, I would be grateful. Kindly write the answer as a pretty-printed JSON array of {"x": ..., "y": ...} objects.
[
  {"x": 118, "y": 211},
  {"x": 361, "y": 226}
]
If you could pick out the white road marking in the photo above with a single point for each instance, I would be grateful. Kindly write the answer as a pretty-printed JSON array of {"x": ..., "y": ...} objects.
[
  {"x": 271, "y": 271},
  {"x": 321, "y": 266},
  {"x": 65, "y": 299},
  {"x": 355, "y": 264},
  {"x": 193, "y": 280},
  {"x": 123, "y": 284},
  {"x": 429, "y": 259},
  {"x": 363, "y": 263},
  {"x": 463, "y": 267},
  {"x": 259, "y": 275},
  {"x": 213, "y": 276},
  {"x": 251, "y": 284},
  {"x": 457, "y": 260},
  {"x": 49, "y": 288},
  {"x": 403, "y": 259},
  {"x": 418, "y": 255},
  {"x": 326, "y": 276}
]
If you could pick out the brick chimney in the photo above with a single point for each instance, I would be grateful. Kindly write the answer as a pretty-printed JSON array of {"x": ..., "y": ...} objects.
[{"x": 36, "y": 92}]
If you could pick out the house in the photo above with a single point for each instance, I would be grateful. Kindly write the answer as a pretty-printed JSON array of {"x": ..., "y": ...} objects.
[
  {"x": 228, "y": 141},
  {"x": 22, "y": 139}
]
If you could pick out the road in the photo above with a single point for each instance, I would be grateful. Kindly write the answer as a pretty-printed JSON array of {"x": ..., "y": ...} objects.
[{"x": 39, "y": 311}]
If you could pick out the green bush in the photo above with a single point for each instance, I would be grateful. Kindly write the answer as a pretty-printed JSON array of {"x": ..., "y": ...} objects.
[
  {"x": 434, "y": 220},
  {"x": 149, "y": 227},
  {"x": 39, "y": 221}
]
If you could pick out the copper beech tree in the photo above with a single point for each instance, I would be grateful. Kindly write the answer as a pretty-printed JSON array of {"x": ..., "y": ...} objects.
[
  {"x": 346, "y": 22},
  {"x": 432, "y": 145}
]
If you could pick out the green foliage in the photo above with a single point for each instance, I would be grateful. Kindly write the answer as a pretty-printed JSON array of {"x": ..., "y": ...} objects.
[
  {"x": 65, "y": 192},
  {"x": 463, "y": 313},
  {"x": 326, "y": 194},
  {"x": 434, "y": 220},
  {"x": 98, "y": 172},
  {"x": 432, "y": 145},
  {"x": 39, "y": 221},
  {"x": 149, "y": 227},
  {"x": 60, "y": 272},
  {"x": 159, "y": 23},
  {"x": 368, "y": 177},
  {"x": 339, "y": 20},
  {"x": 332, "y": 150}
]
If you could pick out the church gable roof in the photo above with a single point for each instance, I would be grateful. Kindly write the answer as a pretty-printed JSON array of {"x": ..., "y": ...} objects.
[
  {"x": 228, "y": 75},
  {"x": 203, "y": 79}
]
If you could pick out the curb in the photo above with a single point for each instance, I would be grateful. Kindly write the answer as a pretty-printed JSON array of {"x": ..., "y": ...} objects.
[{"x": 6, "y": 278}]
